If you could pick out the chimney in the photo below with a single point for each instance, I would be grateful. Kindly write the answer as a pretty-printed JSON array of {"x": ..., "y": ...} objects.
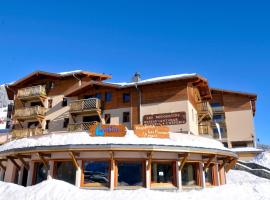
[{"x": 136, "y": 77}]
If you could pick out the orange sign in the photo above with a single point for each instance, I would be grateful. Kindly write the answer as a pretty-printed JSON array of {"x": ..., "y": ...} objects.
[
  {"x": 151, "y": 131},
  {"x": 104, "y": 130}
]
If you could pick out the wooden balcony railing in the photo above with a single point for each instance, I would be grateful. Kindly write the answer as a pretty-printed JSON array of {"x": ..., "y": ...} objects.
[
  {"x": 84, "y": 126},
  {"x": 85, "y": 105},
  {"x": 27, "y": 132},
  {"x": 205, "y": 108},
  {"x": 29, "y": 92},
  {"x": 205, "y": 129},
  {"x": 30, "y": 112}
]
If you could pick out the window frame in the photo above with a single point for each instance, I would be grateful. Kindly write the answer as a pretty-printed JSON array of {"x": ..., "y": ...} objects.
[
  {"x": 126, "y": 121},
  {"x": 124, "y": 99},
  {"x": 96, "y": 185}
]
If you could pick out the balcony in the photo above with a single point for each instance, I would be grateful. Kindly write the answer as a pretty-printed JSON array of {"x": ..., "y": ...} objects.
[
  {"x": 30, "y": 113},
  {"x": 38, "y": 91},
  {"x": 205, "y": 130},
  {"x": 85, "y": 106},
  {"x": 204, "y": 111},
  {"x": 218, "y": 109},
  {"x": 84, "y": 126},
  {"x": 27, "y": 132}
]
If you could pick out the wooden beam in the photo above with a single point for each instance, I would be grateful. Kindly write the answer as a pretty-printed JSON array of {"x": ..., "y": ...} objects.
[
  {"x": 223, "y": 164},
  {"x": 25, "y": 164},
  {"x": 12, "y": 159},
  {"x": 149, "y": 156},
  {"x": 74, "y": 161},
  {"x": 2, "y": 166},
  {"x": 183, "y": 161},
  {"x": 209, "y": 162},
  {"x": 230, "y": 165},
  {"x": 42, "y": 101},
  {"x": 44, "y": 161},
  {"x": 112, "y": 159}
]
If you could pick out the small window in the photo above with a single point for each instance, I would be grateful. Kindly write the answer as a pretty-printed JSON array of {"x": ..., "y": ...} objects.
[
  {"x": 50, "y": 102},
  {"x": 126, "y": 97},
  {"x": 107, "y": 118},
  {"x": 66, "y": 122},
  {"x": 64, "y": 102},
  {"x": 98, "y": 96},
  {"x": 108, "y": 96},
  {"x": 47, "y": 124},
  {"x": 126, "y": 117}
]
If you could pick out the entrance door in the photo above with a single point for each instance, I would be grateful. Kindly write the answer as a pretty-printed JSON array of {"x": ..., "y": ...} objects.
[{"x": 65, "y": 171}]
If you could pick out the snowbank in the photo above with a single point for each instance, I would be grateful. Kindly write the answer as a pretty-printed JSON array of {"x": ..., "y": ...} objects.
[
  {"x": 263, "y": 159},
  {"x": 76, "y": 138},
  {"x": 241, "y": 186}
]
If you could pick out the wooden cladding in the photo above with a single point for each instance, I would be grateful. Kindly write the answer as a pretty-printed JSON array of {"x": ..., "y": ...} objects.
[
  {"x": 33, "y": 91},
  {"x": 234, "y": 102}
]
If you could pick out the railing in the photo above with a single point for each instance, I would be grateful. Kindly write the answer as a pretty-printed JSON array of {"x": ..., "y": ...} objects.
[
  {"x": 84, "y": 126},
  {"x": 218, "y": 109},
  {"x": 85, "y": 105},
  {"x": 29, "y": 112},
  {"x": 38, "y": 90},
  {"x": 204, "y": 107},
  {"x": 27, "y": 132}
]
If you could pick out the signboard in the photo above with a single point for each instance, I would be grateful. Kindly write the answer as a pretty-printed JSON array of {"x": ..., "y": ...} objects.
[
  {"x": 151, "y": 131},
  {"x": 165, "y": 119},
  {"x": 104, "y": 130}
]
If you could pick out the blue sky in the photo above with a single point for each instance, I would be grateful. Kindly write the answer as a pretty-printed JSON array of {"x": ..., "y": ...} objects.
[{"x": 226, "y": 41}]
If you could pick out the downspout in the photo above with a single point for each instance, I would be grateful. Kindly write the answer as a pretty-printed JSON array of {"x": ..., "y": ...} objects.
[{"x": 140, "y": 101}]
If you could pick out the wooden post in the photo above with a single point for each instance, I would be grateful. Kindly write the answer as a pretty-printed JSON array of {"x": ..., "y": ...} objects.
[
  {"x": 12, "y": 159},
  {"x": 178, "y": 175},
  {"x": 78, "y": 174},
  {"x": 25, "y": 164},
  {"x": 217, "y": 174},
  {"x": 230, "y": 165},
  {"x": 112, "y": 181},
  {"x": 30, "y": 173},
  {"x": 148, "y": 170},
  {"x": 183, "y": 161},
  {"x": 206, "y": 166},
  {"x": 202, "y": 172},
  {"x": 74, "y": 161}
]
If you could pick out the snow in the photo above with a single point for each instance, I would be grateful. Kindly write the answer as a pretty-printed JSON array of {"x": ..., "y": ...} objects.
[
  {"x": 69, "y": 72},
  {"x": 241, "y": 186},
  {"x": 246, "y": 149},
  {"x": 157, "y": 79},
  {"x": 262, "y": 159},
  {"x": 76, "y": 138}
]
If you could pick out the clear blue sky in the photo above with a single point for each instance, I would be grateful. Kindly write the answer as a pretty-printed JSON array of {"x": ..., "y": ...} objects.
[{"x": 228, "y": 42}]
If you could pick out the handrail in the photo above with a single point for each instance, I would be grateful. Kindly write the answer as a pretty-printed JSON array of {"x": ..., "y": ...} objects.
[
  {"x": 32, "y": 91},
  {"x": 30, "y": 111}
]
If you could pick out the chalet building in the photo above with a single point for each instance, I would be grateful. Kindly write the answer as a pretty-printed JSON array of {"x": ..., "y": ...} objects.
[{"x": 171, "y": 131}]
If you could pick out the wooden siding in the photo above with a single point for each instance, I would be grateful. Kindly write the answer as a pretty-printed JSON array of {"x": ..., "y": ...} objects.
[{"x": 233, "y": 102}]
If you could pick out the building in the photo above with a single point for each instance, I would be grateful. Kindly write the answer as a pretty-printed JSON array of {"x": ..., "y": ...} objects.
[{"x": 54, "y": 113}]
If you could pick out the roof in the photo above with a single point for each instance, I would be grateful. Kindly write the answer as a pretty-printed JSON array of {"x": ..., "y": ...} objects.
[
  {"x": 60, "y": 75},
  {"x": 253, "y": 96},
  {"x": 58, "y": 140}
]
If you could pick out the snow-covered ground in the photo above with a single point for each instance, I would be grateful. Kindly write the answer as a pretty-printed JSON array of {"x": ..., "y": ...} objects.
[
  {"x": 263, "y": 159},
  {"x": 241, "y": 186}
]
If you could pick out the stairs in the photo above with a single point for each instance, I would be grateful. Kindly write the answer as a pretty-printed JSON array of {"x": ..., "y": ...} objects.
[{"x": 253, "y": 168}]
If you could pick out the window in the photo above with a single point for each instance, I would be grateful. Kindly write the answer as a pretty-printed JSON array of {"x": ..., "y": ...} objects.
[
  {"x": 107, "y": 118},
  {"x": 50, "y": 102},
  {"x": 64, "y": 102},
  {"x": 92, "y": 118},
  {"x": 130, "y": 173},
  {"x": 218, "y": 118},
  {"x": 209, "y": 175},
  {"x": 47, "y": 124},
  {"x": 40, "y": 173},
  {"x": 96, "y": 173},
  {"x": 108, "y": 96},
  {"x": 216, "y": 104},
  {"x": 126, "y": 97},
  {"x": 162, "y": 172},
  {"x": 99, "y": 96},
  {"x": 65, "y": 171},
  {"x": 126, "y": 117},
  {"x": 190, "y": 174},
  {"x": 66, "y": 122}
]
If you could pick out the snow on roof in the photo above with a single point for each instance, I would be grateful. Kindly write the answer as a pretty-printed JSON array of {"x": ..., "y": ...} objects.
[
  {"x": 83, "y": 138},
  {"x": 70, "y": 72},
  {"x": 246, "y": 149},
  {"x": 157, "y": 79}
]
